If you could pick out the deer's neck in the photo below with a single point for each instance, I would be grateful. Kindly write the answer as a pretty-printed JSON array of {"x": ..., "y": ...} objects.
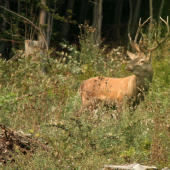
[{"x": 142, "y": 81}]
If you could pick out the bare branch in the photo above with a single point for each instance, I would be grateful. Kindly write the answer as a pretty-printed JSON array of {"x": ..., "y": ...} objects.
[
  {"x": 5, "y": 19},
  {"x": 2, "y": 39},
  {"x": 30, "y": 22}
]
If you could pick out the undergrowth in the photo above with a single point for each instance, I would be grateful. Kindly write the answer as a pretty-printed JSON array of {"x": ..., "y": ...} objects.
[{"x": 46, "y": 106}]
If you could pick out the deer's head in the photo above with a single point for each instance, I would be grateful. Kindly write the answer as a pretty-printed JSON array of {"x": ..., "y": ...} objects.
[{"x": 140, "y": 60}]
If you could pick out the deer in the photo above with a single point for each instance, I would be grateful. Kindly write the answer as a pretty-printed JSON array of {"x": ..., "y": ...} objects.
[{"x": 132, "y": 89}]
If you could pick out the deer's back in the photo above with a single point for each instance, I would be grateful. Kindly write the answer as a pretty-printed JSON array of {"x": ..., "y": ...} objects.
[{"x": 109, "y": 88}]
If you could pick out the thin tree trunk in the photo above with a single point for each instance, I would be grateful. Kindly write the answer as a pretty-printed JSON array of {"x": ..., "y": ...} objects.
[
  {"x": 66, "y": 25},
  {"x": 151, "y": 20},
  {"x": 117, "y": 18},
  {"x": 83, "y": 11},
  {"x": 100, "y": 21},
  {"x": 50, "y": 25},
  {"x": 17, "y": 22},
  {"x": 95, "y": 14},
  {"x": 42, "y": 21},
  {"x": 135, "y": 18},
  {"x": 129, "y": 22},
  {"x": 49, "y": 20},
  {"x": 32, "y": 30},
  {"x": 3, "y": 28},
  {"x": 159, "y": 15},
  {"x": 97, "y": 20},
  {"x": 42, "y": 36},
  {"x": 26, "y": 27},
  {"x": 19, "y": 12}
]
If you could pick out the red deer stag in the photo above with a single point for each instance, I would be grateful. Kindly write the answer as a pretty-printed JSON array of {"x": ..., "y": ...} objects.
[{"x": 113, "y": 91}]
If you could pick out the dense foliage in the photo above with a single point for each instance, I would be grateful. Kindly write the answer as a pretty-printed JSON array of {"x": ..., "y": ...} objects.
[{"x": 46, "y": 105}]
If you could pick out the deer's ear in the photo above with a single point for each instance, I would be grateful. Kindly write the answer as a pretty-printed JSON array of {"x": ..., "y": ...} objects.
[{"x": 131, "y": 55}]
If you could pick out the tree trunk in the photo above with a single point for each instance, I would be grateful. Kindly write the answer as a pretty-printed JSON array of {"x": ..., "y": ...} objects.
[
  {"x": 135, "y": 18},
  {"x": 19, "y": 12},
  {"x": 66, "y": 25},
  {"x": 3, "y": 28},
  {"x": 83, "y": 11},
  {"x": 32, "y": 30},
  {"x": 129, "y": 23},
  {"x": 117, "y": 18},
  {"x": 100, "y": 16},
  {"x": 159, "y": 15},
  {"x": 97, "y": 20},
  {"x": 50, "y": 25},
  {"x": 17, "y": 22},
  {"x": 151, "y": 20},
  {"x": 42, "y": 22},
  {"x": 94, "y": 24},
  {"x": 42, "y": 41}
]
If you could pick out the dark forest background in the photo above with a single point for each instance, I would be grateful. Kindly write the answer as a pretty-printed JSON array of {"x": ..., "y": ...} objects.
[{"x": 60, "y": 19}]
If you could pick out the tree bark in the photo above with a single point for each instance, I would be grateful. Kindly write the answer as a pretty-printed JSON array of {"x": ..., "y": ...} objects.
[
  {"x": 159, "y": 15},
  {"x": 94, "y": 24},
  {"x": 32, "y": 31},
  {"x": 117, "y": 18},
  {"x": 151, "y": 20},
  {"x": 50, "y": 25},
  {"x": 135, "y": 18},
  {"x": 83, "y": 11},
  {"x": 100, "y": 21},
  {"x": 42, "y": 21},
  {"x": 66, "y": 25},
  {"x": 17, "y": 22},
  {"x": 129, "y": 23},
  {"x": 97, "y": 20},
  {"x": 19, "y": 12},
  {"x": 3, "y": 28}
]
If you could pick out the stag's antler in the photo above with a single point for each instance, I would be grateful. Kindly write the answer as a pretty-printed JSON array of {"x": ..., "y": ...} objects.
[
  {"x": 139, "y": 28},
  {"x": 139, "y": 47},
  {"x": 134, "y": 44},
  {"x": 158, "y": 43}
]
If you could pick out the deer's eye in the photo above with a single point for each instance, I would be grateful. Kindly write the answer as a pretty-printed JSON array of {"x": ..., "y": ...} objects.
[{"x": 141, "y": 61}]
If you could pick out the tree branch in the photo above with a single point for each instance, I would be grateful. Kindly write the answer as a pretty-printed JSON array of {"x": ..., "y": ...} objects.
[{"x": 30, "y": 22}]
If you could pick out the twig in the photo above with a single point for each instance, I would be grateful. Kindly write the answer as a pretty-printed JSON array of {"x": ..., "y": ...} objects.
[
  {"x": 30, "y": 22},
  {"x": 5, "y": 19},
  {"x": 2, "y": 39}
]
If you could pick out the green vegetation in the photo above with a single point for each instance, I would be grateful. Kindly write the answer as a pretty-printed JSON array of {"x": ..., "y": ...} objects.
[{"x": 46, "y": 106}]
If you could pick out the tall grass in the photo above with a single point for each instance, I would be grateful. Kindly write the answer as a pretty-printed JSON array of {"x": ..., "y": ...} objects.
[{"x": 46, "y": 106}]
